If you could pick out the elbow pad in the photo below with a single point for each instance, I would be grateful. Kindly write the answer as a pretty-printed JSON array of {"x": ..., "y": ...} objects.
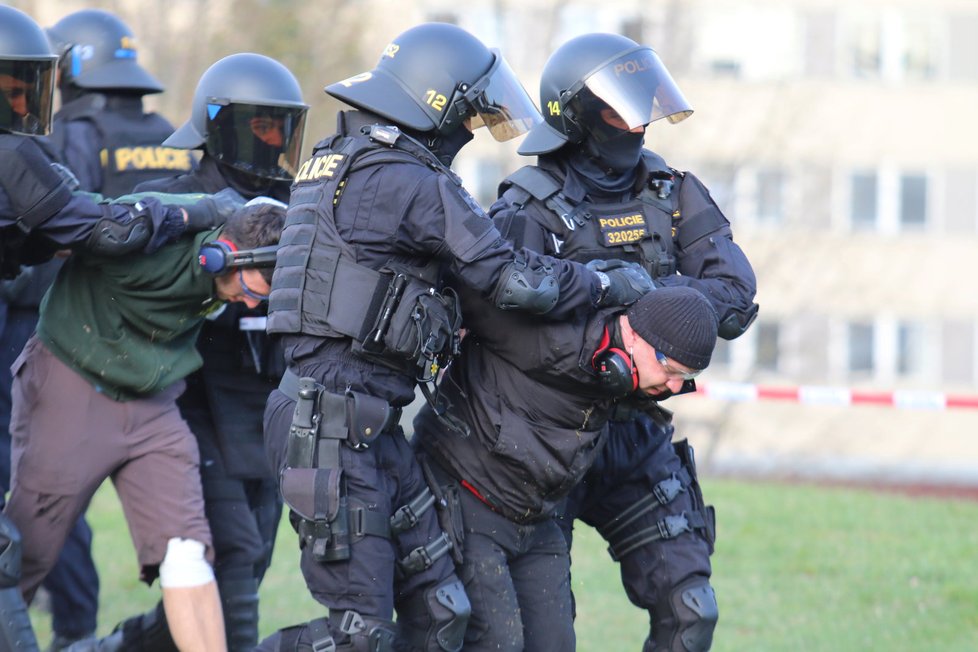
[
  {"x": 113, "y": 238},
  {"x": 737, "y": 322},
  {"x": 521, "y": 288}
]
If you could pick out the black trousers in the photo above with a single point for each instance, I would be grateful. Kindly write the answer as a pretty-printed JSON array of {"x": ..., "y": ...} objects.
[
  {"x": 383, "y": 477},
  {"x": 637, "y": 455},
  {"x": 517, "y": 578}
]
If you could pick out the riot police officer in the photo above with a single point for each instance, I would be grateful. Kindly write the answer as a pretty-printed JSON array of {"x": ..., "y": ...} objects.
[
  {"x": 101, "y": 131},
  {"x": 374, "y": 216},
  {"x": 596, "y": 193},
  {"x": 252, "y": 144}
]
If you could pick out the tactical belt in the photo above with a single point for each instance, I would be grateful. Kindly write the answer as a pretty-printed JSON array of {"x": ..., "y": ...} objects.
[{"x": 353, "y": 417}]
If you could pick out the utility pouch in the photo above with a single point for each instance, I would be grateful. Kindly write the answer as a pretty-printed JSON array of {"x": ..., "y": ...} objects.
[
  {"x": 305, "y": 425},
  {"x": 315, "y": 497},
  {"x": 369, "y": 416},
  {"x": 685, "y": 453},
  {"x": 448, "y": 507},
  {"x": 424, "y": 327}
]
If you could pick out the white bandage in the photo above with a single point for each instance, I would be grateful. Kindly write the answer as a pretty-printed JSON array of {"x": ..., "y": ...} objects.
[{"x": 184, "y": 565}]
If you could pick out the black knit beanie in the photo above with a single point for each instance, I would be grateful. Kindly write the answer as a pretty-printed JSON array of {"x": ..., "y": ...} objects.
[{"x": 679, "y": 322}]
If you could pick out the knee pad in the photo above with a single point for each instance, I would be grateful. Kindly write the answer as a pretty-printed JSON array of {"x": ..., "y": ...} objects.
[
  {"x": 436, "y": 621},
  {"x": 689, "y": 619},
  {"x": 184, "y": 565}
]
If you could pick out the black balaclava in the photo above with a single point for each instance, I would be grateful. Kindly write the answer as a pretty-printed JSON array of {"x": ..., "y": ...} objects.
[
  {"x": 614, "y": 149},
  {"x": 444, "y": 146},
  {"x": 608, "y": 156}
]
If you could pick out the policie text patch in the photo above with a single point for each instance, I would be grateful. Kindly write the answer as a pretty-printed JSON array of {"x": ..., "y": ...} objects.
[{"x": 617, "y": 230}]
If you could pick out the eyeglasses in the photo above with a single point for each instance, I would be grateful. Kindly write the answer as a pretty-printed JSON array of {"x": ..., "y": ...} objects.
[
  {"x": 247, "y": 290},
  {"x": 672, "y": 371}
]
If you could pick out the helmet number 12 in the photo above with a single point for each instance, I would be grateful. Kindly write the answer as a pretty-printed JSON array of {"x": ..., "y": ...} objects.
[{"x": 436, "y": 100}]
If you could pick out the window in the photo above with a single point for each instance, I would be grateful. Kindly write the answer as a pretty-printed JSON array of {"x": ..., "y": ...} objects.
[
  {"x": 720, "y": 180},
  {"x": 894, "y": 45},
  {"x": 721, "y": 354},
  {"x": 913, "y": 200},
  {"x": 909, "y": 353},
  {"x": 634, "y": 29},
  {"x": 860, "y": 338},
  {"x": 770, "y": 199},
  {"x": 488, "y": 174},
  {"x": 449, "y": 17},
  {"x": 866, "y": 48},
  {"x": 864, "y": 203},
  {"x": 768, "y": 335}
]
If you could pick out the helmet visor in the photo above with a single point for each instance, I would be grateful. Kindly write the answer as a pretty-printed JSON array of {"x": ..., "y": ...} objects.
[
  {"x": 27, "y": 95},
  {"x": 639, "y": 88},
  {"x": 261, "y": 140},
  {"x": 501, "y": 103}
]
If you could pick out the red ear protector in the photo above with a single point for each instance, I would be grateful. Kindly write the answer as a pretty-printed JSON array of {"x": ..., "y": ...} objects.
[
  {"x": 220, "y": 256},
  {"x": 614, "y": 367}
]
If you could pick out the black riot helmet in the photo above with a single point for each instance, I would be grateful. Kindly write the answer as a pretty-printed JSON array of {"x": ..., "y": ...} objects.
[
  {"x": 98, "y": 52},
  {"x": 434, "y": 76},
  {"x": 27, "y": 64},
  {"x": 247, "y": 113},
  {"x": 596, "y": 71}
]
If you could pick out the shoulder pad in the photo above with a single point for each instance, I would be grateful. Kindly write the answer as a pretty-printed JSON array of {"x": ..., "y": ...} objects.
[
  {"x": 655, "y": 163},
  {"x": 538, "y": 183}
]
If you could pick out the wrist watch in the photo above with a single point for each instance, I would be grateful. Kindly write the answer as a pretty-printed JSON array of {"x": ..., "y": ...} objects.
[{"x": 604, "y": 282}]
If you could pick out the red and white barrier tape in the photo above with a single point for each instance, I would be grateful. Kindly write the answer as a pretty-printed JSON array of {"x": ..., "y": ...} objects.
[{"x": 839, "y": 396}]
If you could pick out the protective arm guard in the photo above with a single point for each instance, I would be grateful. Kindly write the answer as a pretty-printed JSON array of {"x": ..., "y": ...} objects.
[
  {"x": 36, "y": 191},
  {"x": 711, "y": 262},
  {"x": 521, "y": 288}
]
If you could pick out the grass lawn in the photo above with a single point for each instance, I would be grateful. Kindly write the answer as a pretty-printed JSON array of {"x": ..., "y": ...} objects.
[{"x": 797, "y": 568}]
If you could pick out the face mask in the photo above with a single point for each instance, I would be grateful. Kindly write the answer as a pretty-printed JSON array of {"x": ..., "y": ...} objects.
[
  {"x": 446, "y": 146},
  {"x": 618, "y": 151}
]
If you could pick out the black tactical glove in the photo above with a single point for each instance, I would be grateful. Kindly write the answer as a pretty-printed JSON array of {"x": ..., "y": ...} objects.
[
  {"x": 622, "y": 283},
  {"x": 212, "y": 210}
]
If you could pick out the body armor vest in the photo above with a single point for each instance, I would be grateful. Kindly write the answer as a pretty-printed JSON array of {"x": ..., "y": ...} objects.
[
  {"x": 640, "y": 230},
  {"x": 318, "y": 288},
  {"x": 131, "y": 150}
]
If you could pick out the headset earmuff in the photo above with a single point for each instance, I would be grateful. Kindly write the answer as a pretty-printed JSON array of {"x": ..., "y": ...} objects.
[
  {"x": 214, "y": 256},
  {"x": 615, "y": 368}
]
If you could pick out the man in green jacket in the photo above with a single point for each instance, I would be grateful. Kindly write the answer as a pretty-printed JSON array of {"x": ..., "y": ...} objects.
[{"x": 95, "y": 397}]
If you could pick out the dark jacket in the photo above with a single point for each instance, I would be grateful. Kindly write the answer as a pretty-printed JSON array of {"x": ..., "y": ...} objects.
[
  {"x": 706, "y": 257},
  {"x": 533, "y": 403},
  {"x": 112, "y": 145},
  {"x": 407, "y": 212}
]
